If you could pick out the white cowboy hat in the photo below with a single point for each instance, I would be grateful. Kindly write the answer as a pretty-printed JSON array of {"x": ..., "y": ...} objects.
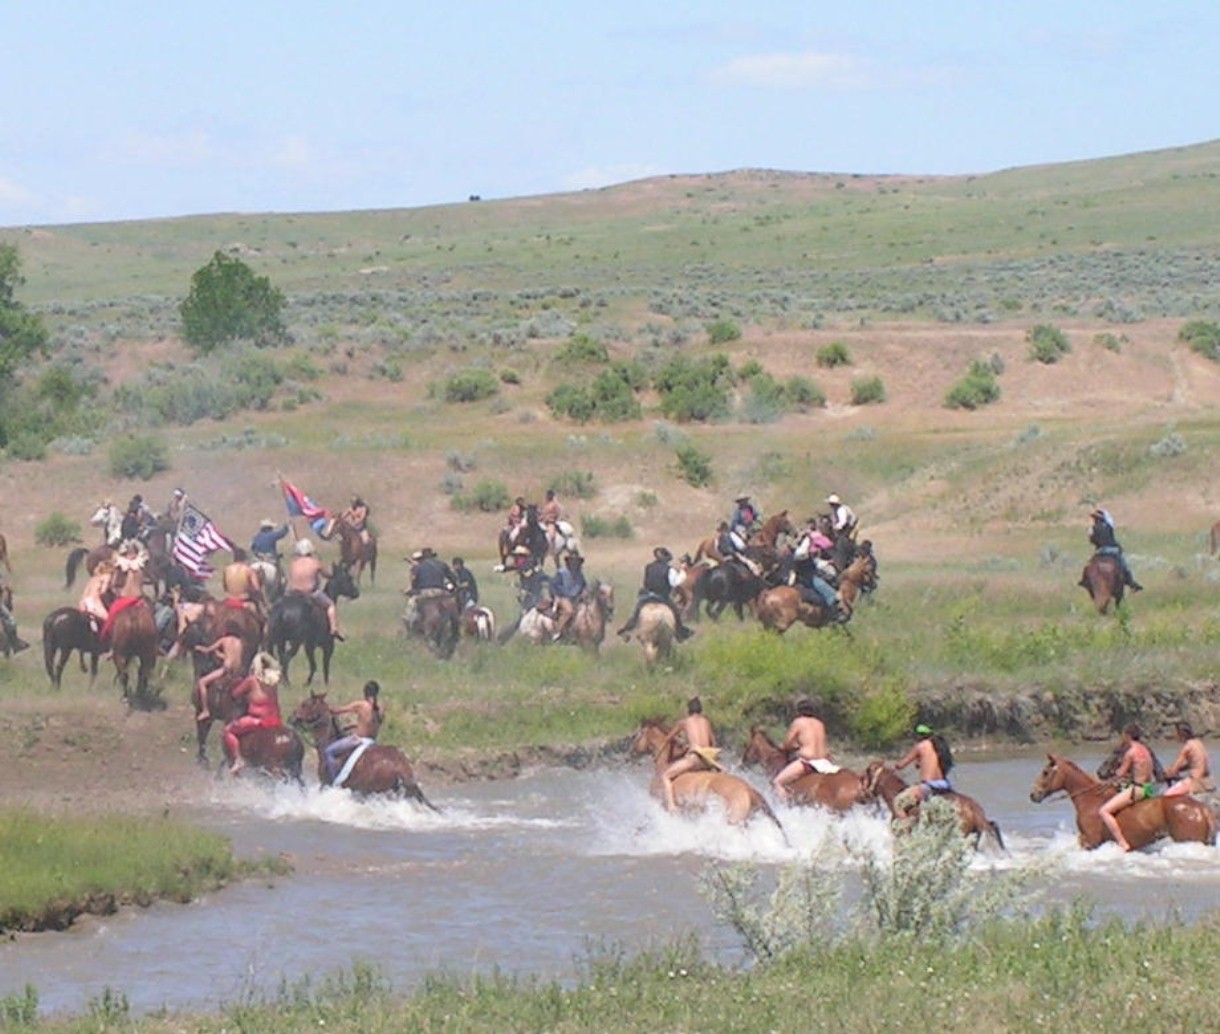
[
  {"x": 266, "y": 522},
  {"x": 417, "y": 555},
  {"x": 834, "y": 500},
  {"x": 304, "y": 547}
]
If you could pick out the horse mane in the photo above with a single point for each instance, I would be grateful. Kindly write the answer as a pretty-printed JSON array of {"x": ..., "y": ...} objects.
[{"x": 1068, "y": 763}]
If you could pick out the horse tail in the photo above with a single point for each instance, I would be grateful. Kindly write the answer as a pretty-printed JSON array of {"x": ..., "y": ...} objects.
[
  {"x": 765, "y": 808},
  {"x": 48, "y": 649},
  {"x": 995, "y": 832},
  {"x": 74, "y": 559},
  {"x": 411, "y": 790}
]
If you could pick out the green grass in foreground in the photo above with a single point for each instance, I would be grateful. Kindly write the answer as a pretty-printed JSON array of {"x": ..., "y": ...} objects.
[{"x": 52, "y": 866}]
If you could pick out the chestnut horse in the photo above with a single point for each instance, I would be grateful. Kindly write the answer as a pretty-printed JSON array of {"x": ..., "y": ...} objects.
[
  {"x": 882, "y": 781},
  {"x": 693, "y": 791},
  {"x": 355, "y": 553},
  {"x": 133, "y": 637},
  {"x": 781, "y": 607},
  {"x": 379, "y": 770},
  {"x": 64, "y": 630},
  {"x": 762, "y": 544},
  {"x": 1180, "y": 818},
  {"x": 277, "y": 752},
  {"x": 837, "y": 791},
  {"x": 1103, "y": 580}
]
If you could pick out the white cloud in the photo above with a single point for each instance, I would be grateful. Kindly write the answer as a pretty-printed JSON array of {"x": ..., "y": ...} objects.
[
  {"x": 797, "y": 72},
  {"x": 607, "y": 175}
]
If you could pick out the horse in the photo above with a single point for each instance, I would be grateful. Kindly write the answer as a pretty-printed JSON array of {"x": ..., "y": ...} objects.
[
  {"x": 593, "y": 612},
  {"x": 531, "y": 535},
  {"x": 479, "y": 623},
  {"x": 91, "y": 557},
  {"x": 214, "y": 618},
  {"x": 133, "y": 636},
  {"x": 438, "y": 623},
  {"x": 838, "y": 791},
  {"x": 781, "y": 607},
  {"x": 380, "y": 770},
  {"x": 298, "y": 620},
  {"x": 694, "y": 791},
  {"x": 64, "y": 630},
  {"x": 882, "y": 781},
  {"x": 1183, "y": 819},
  {"x": 728, "y": 584},
  {"x": 357, "y": 553},
  {"x": 1103, "y": 580},
  {"x": 655, "y": 629},
  {"x": 4, "y": 555},
  {"x": 221, "y": 705},
  {"x": 277, "y": 751},
  {"x": 683, "y": 593},
  {"x": 563, "y": 541},
  {"x": 270, "y": 570}
]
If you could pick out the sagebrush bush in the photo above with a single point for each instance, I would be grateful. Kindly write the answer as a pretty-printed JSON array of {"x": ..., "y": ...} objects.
[
  {"x": 695, "y": 390},
  {"x": 1047, "y": 344},
  {"x": 486, "y": 496},
  {"x": 1202, "y": 336},
  {"x": 581, "y": 349},
  {"x": 471, "y": 385},
  {"x": 138, "y": 456},
  {"x": 576, "y": 484},
  {"x": 694, "y": 465},
  {"x": 57, "y": 530},
  {"x": 978, "y": 388},
  {"x": 867, "y": 391},
  {"x": 595, "y": 527},
  {"x": 721, "y": 332},
  {"x": 833, "y": 354}
]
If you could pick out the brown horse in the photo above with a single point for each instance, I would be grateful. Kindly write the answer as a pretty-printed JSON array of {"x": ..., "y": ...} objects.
[
  {"x": 133, "y": 636},
  {"x": 221, "y": 708},
  {"x": 379, "y": 770},
  {"x": 882, "y": 781},
  {"x": 1183, "y": 819},
  {"x": 1103, "y": 580},
  {"x": 780, "y": 608},
  {"x": 278, "y": 752},
  {"x": 762, "y": 544},
  {"x": 683, "y": 593},
  {"x": 837, "y": 791},
  {"x": 693, "y": 791},
  {"x": 355, "y": 553},
  {"x": 64, "y": 630},
  {"x": 479, "y": 624},
  {"x": 438, "y": 623},
  {"x": 217, "y": 615}
]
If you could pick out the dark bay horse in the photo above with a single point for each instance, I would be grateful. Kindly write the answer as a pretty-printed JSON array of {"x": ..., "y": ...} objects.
[
  {"x": 355, "y": 553},
  {"x": 64, "y": 630},
  {"x": 729, "y": 584},
  {"x": 380, "y": 770},
  {"x": 1103, "y": 580},
  {"x": 694, "y": 791},
  {"x": 882, "y": 781},
  {"x": 1183, "y": 819},
  {"x": 837, "y": 791},
  {"x": 438, "y": 619},
  {"x": 133, "y": 637},
  {"x": 532, "y": 536},
  {"x": 298, "y": 620}
]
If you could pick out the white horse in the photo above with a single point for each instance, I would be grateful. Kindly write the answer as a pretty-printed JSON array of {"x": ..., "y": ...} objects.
[
  {"x": 561, "y": 541},
  {"x": 109, "y": 518}
]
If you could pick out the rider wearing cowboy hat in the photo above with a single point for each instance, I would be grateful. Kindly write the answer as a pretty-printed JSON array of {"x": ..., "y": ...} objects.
[
  {"x": 660, "y": 579},
  {"x": 566, "y": 588},
  {"x": 842, "y": 517}
]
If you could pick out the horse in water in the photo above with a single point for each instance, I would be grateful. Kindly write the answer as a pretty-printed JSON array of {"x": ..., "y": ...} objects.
[
  {"x": 729, "y": 584},
  {"x": 438, "y": 621},
  {"x": 882, "y": 781},
  {"x": 355, "y": 552},
  {"x": 278, "y": 752},
  {"x": 133, "y": 637},
  {"x": 694, "y": 791},
  {"x": 64, "y": 630},
  {"x": 837, "y": 791},
  {"x": 1183, "y": 819},
  {"x": 378, "y": 770},
  {"x": 781, "y": 607},
  {"x": 298, "y": 620},
  {"x": 1103, "y": 580}
]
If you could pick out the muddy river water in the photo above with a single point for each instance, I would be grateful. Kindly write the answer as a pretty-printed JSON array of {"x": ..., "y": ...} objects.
[{"x": 527, "y": 876}]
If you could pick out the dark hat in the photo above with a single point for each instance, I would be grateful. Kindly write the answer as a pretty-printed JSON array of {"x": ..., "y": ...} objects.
[
  {"x": 661, "y": 553},
  {"x": 574, "y": 558}
]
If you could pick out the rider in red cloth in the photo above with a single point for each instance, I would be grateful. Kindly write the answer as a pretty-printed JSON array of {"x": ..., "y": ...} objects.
[{"x": 262, "y": 706}]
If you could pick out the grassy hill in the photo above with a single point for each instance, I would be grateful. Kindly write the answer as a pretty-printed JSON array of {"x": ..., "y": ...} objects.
[{"x": 978, "y": 516}]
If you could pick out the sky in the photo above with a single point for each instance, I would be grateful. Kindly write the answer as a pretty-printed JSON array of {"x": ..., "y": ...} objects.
[{"x": 134, "y": 109}]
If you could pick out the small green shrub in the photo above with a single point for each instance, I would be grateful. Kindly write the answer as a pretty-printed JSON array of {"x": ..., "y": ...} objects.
[
  {"x": 1202, "y": 336},
  {"x": 693, "y": 390},
  {"x": 694, "y": 465},
  {"x": 138, "y": 456},
  {"x": 867, "y": 391},
  {"x": 750, "y": 368},
  {"x": 833, "y": 354},
  {"x": 721, "y": 332},
  {"x": 486, "y": 497},
  {"x": 472, "y": 385},
  {"x": 978, "y": 388},
  {"x": 580, "y": 349},
  {"x": 26, "y": 445},
  {"x": 882, "y": 716},
  {"x": 56, "y": 530},
  {"x": 594, "y": 527},
  {"x": 1047, "y": 344},
  {"x": 572, "y": 402},
  {"x": 1110, "y": 342},
  {"x": 575, "y": 484},
  {"x": 803, "y": 394},
  {"x": 509, "y": 376}
]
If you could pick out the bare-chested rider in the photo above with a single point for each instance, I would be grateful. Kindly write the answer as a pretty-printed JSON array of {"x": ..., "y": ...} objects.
[
  {"x": 242, "y": 583},
  {"x": 807, "y": 739},
  {"x": 370, "y": 716},
  {"x": 1137, "y": 773},
  {"x": 229, "y": 648},
  {"x": 1191, "y": 767},
  {"x": 305, "y": 576},
  {"x": 932, "y": 758},
  {"x": 92, "y": 605},
  {"x": 701, "y": 749}
]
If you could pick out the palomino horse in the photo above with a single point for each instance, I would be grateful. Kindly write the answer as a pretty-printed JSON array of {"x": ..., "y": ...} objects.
[
  {"x": 379, "y": 770},
  {"x": 837, "y": 791},
  {"x": 298, "y": 620},
  {"x": 133, "y": 636},
  {"x": 655, "y": 629},
  {"x": 694, "y": 791},
  {"x": 1103, "y": 581},
  {"x": 438, "y": 622},
  {"x": 780, "y": 608},
  {"x": 479, "y": 623},
  {"x": 355, "y": 553},
  {"x": 1179, "y": 818},
  {"x": 64, "y": 630},
  {"x": 882, "y": 781}
]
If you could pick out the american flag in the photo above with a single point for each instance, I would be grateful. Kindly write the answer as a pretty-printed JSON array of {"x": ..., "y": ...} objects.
[{"x": 197, "y": 539}]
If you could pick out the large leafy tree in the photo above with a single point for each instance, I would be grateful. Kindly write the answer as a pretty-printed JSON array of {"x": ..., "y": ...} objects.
[
  {"x": 21, "y": 332},
  {"x": 229, "y": 302}
]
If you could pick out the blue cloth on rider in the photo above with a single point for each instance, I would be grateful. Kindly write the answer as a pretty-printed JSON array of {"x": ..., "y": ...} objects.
[
  {"x": 568, "y": 584},
  {"x": 937, "y": 786}
]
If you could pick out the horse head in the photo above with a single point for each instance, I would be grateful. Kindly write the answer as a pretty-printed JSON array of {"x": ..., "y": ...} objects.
[
  {"x": 604, "y": 596},
  {"x": 1050, "y": 780},
  {"x": 311, "y": 712},
  {"x": 649, "y": 737},
  {"x": 757, "y": 746}
]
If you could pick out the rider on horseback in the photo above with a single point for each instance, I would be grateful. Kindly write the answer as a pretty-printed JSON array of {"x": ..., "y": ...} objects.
[
  {"x": 243, "y": 585},
  {"x": 464, "y": 584},
  {"x": 92, "y": 604},
  {"x": 8, "y": 624},
  {"x": 229, "y": 648},
  {"x": 356, "y": 516},
  {"x": 566, "y": 588},
  {"x": 370, "y": 716},
  {"x": 1103, "y": 539},
  {"x": 429, "y": 576},
  {"x": 731, "y": 546},
  {"x": 807, "y": 739},
  {"x": 660, "y": 580},
  {"x": 807, "y": 572},
  {"x": 1191, "y": 768},
  {"x": 264, "y": 545},
  {"x": 701, "y": 749},
  {"x": 932, "y": 756},
  {"x": 1138, "y": 774},
  {"x": 262, "y": 704},
  {"x": 744, "y": 518},
  {"x": 305, "y": 577},
  {"x": 842, "y": 518}
]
